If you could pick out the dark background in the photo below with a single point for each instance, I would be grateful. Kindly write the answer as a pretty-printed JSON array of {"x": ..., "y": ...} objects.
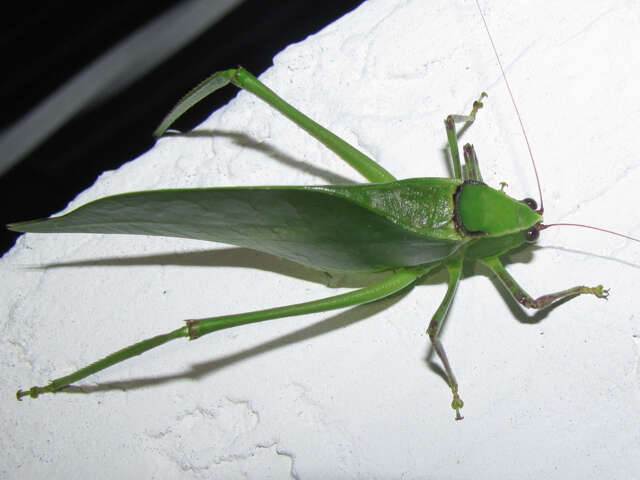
[{"x": 43, "y": 46}]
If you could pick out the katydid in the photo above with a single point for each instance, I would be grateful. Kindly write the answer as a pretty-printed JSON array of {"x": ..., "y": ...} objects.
[{"x": 411, "y": 227}]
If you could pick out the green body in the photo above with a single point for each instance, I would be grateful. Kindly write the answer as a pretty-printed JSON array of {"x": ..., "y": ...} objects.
[
  {"x": 412, "y": 227},
  {"x": 369, "y": 227}
]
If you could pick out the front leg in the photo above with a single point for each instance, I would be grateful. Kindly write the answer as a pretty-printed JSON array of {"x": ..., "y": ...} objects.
[
  {"x": 522, "y": 297},
  {"x": 452, "y": 135}
]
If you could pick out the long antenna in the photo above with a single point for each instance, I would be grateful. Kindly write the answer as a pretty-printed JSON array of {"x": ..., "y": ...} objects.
[
  {"x": 526, "y": 139},
  {"x": 628, "y": 237},
  {"x": 504, "y": 76}
]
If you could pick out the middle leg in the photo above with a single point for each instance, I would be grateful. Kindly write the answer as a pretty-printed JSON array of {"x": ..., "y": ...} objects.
[{"x": 435, "y": 326}]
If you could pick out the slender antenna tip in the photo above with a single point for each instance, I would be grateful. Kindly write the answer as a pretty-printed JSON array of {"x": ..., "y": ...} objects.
[{"x": 513, "y": 101}]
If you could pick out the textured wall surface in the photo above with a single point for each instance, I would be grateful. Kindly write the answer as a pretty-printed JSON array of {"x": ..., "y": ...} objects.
[{"x": 349, "y": 394}]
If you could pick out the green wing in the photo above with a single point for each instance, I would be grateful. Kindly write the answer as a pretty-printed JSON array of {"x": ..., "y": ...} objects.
[{"x": 346, "y": 228}]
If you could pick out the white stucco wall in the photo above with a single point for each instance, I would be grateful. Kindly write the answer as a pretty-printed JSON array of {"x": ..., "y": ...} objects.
[{"x": 348, "y": 394}]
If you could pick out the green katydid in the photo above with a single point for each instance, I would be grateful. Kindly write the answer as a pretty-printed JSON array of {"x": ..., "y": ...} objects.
[{"x": 412, "y": 227}]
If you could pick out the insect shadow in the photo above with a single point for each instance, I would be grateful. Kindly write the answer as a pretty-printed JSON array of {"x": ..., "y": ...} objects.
[
  {"x": 229, "y": 257},
  {"x": 246, "y": 141},
  {"x": 521, "y": 255}
]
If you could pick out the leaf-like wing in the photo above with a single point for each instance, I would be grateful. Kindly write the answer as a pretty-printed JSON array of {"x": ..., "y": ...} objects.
[{"x": 345, "y": 228}]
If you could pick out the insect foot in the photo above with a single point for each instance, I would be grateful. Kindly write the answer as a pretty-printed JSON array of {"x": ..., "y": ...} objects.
[
  {"x": 598, "y": 291},
  {"x": 32, "y": 392},
  {"x": 457, "y": 402},
  {"x": 477, "y": 105}
]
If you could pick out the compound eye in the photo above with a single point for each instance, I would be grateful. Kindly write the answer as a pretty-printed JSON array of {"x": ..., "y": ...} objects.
[
  {"x": 531, "y": 203},
  {"x": 532, "y": 234}
]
